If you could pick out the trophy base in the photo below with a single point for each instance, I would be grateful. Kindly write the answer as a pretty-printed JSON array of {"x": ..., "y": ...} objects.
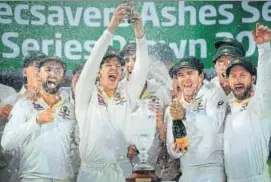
[{"x": 143, "y": 176}]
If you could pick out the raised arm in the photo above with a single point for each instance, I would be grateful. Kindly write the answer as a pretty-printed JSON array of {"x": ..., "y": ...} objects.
[
  {"x": 87, "y": 79},
  {"x": 139, "y": 75},
  {"x": 86, "y": 82},
  {"x": 19, "y": 126},
  {"x": 262, "y": 37}
]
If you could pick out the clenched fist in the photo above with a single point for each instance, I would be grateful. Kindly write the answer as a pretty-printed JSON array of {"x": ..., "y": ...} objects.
[
  {"x": 5, "y": 111},
  {"x": 46, "y": 116},
  {"x": 262, "y": 34},
  {"x": 120, "y": 13}
]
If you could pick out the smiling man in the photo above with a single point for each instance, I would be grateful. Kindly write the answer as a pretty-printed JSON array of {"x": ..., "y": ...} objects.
[
  {"x": 42, "y": 129},
  {"x": 103, "y": 110},
  {"x": 226, "y": 50},
  {"x": 248, "y": 123},
  {"x": 202, "y": 111}
]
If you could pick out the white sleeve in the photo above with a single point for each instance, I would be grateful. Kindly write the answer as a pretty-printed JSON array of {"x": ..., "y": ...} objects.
[
  {"x": 87, "y": 79},
  {"x": 262, "y": 102},
  {"x": 19, "y": 126},
  {"x": 170, "y": 138},
  {"x": 212, "y": 118},
  {"x": 138, "y": 78}
]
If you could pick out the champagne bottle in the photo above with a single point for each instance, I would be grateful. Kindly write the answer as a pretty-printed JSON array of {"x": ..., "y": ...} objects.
[{"x": 179, "y": 134}]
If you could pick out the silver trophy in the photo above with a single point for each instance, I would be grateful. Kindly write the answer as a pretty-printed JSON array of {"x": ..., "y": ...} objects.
[{"x": 143, "y": 133}]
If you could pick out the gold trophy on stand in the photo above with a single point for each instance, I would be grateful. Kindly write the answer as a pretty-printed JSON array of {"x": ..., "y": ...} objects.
[{"x": 143, "y": 132}]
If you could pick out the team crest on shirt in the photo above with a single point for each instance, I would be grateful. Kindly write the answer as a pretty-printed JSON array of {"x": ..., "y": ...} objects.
[
  {"x": 64, "y": 112},
  {"x": 120, "y": 99},
  {"x": 37, "y": 106},
  {"x": 244, "y": 107},
  {"x": 199, "y": 105}
]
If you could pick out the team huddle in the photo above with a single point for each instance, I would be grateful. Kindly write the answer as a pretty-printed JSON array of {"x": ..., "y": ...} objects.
[{"x": 82, "y": 133}]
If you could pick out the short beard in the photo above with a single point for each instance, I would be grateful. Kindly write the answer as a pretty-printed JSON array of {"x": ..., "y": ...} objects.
[
  {"x": 245, "y": 95},
  {"x": 49, "y": 90}
]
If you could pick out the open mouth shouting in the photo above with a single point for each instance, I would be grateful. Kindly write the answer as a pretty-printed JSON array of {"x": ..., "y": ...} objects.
[
  {"x": 112, "y": 77},
  {"x": 239, "y": 88},
  {"x": 51, "y": 83},
  {"x": 188, "y": 86}
]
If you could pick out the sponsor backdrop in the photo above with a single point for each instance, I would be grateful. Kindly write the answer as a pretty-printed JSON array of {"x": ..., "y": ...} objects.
[{"x": 70, "y": 29}]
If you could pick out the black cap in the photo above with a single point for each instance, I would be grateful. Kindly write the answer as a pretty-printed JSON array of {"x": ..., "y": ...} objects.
[
  {"x": 54, "y": 59},
  {"x": 231, "y": 42},
  {"x": 162, "y": 52},
  {"x": 227, "y": 51},
  {"x": 129, "y": 47},
  {"x": 110, "y": 53},
  {"x": 189, "y": 62},
  {"x": 33, "y": 58},
  {"x": 242, "y": 62}
]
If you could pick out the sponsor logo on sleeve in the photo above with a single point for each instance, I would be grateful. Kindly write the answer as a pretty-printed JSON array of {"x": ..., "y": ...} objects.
[
  {"x": 37, "y": 106},
  {"x": 64, "y": 112},
  {"x": 220, "y": 103}
]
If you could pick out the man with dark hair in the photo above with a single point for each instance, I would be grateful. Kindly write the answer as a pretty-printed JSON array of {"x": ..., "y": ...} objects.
[
  {"x": 103, "y": 110},
  {"x": 202, "y": 112},
  {"x": 247, "y": 125},
  {"x": 30, "y": 71},
  {"x": 42, "y": 129},
  {"x": 29, "y": 90}
]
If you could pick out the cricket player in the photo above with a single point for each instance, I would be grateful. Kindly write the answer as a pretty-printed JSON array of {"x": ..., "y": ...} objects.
[
  {"x": 42, "y": 129},
  {"x": 202, "y": 111},
  {"x": 103, "y": 111},
  {"x": 226, "y": 50},
  {"x": 248, "y": 122}
]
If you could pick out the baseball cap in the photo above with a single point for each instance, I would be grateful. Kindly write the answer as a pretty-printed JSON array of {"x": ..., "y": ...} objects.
[
  {"x": 110, "y": 53},
  {"x": 242, "y": 62},
  {"x": 231, "y": 42},
  {"x": 189, "y": 62},
  {"x": 53, "y": 59},
  {"x": 227, "y": 51}
]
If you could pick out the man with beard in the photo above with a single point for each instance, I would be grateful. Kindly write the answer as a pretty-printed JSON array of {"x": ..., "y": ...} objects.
[
  {"x": 247, "y": 127},
  {"x": 226, "y": 50},
  {"x": 42, "y": 129},
  {"x": 103, "y": 111},
  {"x": 202, "y": 111}
]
